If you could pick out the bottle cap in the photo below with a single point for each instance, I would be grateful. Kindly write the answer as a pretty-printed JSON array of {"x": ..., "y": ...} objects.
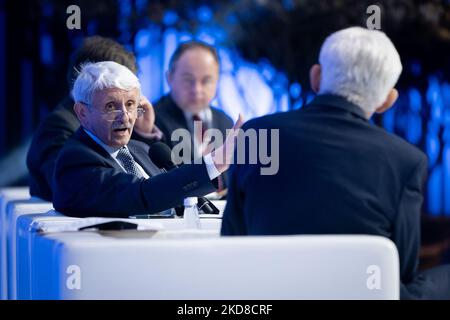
[{"x": 190, "y": 201}]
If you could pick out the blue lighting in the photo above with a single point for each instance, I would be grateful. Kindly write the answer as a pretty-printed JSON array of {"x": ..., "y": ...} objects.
[
  {"x": 125, "y": 7},
  {"x": 47, "y": 10},
  {"x": 295, "y": 90},
  {"x": 298, "y": 104},
  {"x": 141, "y": 5},
  {"x": 288, "y": 4},
  {"x": 267, "y": 70},
  {"x": 432, "y": 145},
  {"x": 204, "y": 14},
  {"x": 446, "y": 177},
  {"x": 170, "y": 42},
  {"x": 435, "y": 191},
  {"x": 92, "y": 27},
  {"x": 170, "y": 17},
  {"x": 142, "y": 40},
  {"x": 184, "y": 36},
  {"x": 310, "y": 97},
  {"x": 416, "y": 68},
  {"x": 205, "y": 35},
  {"x": 231, "y": 19},
  {"x": 445, "y": 89},
  {"x": 46, "y": 49},
  {"x": 414, "y": 128},
  {"x": 26, "y": 86},
  {"x": 415, "y": 99},
  {"x": 2, "y": 82},
  {"x": 389, "y": 120}
]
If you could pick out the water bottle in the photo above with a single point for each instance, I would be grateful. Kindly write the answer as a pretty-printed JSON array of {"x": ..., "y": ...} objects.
[{"x": 191, "y": 218}]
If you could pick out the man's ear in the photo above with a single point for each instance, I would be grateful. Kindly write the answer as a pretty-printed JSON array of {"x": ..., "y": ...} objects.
[
  {"x": 389, "y": 102},
  {"x": 315, "y": 74},
  {"x": 169, "y": 77},
  {"x": 81, "y": 112}
]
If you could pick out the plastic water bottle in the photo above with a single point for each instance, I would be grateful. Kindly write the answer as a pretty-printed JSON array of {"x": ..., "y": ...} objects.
[{"x": 191, "y": 218}]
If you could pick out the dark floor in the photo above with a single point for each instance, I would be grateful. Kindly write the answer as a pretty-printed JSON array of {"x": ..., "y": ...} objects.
[{"x": 435, "y": 248}]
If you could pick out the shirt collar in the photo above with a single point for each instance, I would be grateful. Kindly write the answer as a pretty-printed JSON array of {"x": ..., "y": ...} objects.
[
  {"x": 339, "y": 102},
  {"x": 204, "y": 115},
  {"x": 111, "y": 150}
]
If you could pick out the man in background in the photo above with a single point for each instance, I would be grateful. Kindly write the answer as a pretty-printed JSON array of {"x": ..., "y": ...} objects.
[{"x": 192, "y": 77}]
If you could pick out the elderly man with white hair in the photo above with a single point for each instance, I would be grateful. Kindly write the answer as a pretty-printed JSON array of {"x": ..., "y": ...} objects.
[
  {"x": 340, "y": 174},
  {"x": 101, "y": 172}
]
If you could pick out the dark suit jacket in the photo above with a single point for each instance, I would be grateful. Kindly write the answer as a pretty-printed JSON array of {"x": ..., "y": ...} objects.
[
  {"x": 169, "y": 117},
  {"x": 48, "y": 140},
  {"x": 338, "y": 174},
  {"x": 89, "y": 182}
]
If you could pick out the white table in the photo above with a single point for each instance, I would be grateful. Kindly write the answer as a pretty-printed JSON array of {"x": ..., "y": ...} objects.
[
  {"x": 198, "y": 264},
  {"x": 30, "y": 248},
  {"x": 14, "y": 210},
  {"x": 6, "y": 196}
]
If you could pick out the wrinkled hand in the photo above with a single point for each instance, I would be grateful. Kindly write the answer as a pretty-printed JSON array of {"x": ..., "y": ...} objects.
[
  {"x": 223, "y": 155},
  {"x": 145, "y": 124}
]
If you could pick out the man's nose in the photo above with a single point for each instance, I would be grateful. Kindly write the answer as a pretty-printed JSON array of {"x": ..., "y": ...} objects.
[
  {"x": 123, "y": 114},
  {"x": 197, "y": 88}
]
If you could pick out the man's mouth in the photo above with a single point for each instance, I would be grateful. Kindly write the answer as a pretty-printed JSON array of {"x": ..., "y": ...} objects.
[{"x": 121, "y": 131}]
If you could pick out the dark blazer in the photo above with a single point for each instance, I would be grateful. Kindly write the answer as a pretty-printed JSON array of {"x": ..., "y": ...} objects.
[
  {"x": 48, "y": 140},
  {"x": 338, "y": 174},
  {"x": 89, "y": 182},
  {"x": 169, "y": 117}
]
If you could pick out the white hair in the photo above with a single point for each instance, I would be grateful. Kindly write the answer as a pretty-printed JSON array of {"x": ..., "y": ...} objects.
[
  {"x": 102, "y": 75},
  {"x": 360, "y": 65}
]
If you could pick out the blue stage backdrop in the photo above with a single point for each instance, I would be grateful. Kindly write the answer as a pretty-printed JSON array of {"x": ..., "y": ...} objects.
[{"x": 252, "y": 82}]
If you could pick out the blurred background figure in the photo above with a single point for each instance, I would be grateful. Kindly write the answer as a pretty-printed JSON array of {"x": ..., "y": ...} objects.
[{"x": 192, "y": 76}]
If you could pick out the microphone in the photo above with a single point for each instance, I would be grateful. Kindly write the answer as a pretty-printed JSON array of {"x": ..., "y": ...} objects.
[{"x": 160, "y": 154}]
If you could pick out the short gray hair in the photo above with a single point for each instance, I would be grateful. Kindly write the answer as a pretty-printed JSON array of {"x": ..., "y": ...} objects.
[
  {"x": 102, "y": 75},
  {"x": 360, "y": 65}
]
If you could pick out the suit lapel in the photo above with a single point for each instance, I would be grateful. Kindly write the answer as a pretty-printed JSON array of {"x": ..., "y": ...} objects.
[
  {"x": 329, "y": 100},
  {"x": 178, "y": 118},
  {"x": 87, "y": 140}
]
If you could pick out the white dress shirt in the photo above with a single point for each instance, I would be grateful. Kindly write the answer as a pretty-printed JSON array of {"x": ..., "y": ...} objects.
[{"x": 113, "y": 151}]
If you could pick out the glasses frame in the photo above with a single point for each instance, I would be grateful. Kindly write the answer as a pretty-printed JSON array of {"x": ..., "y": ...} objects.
[{"x": 114, "y": 114}]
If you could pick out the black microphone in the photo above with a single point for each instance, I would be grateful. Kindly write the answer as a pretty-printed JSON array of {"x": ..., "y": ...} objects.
[{"x": 160, "y": 154}]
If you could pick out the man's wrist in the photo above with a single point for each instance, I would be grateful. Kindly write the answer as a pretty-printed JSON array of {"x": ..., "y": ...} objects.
[{"x": 211, "y": 167}]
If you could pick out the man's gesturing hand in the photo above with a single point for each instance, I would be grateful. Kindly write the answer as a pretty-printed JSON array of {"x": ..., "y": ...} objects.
[{"x": 222, "y": 156}]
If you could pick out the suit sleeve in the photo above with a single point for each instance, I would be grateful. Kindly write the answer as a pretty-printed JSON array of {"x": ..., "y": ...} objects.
[
  {"x": 433, "y": 283},
  {"x": 407, "y": 224},
  {"x": 46, "y": 145},
  {"x": 233, "y": 222},
  {"x": 84, "y": 187},
  {"x": 161, "y": 123},
  {"x": 406, "y": 233}
]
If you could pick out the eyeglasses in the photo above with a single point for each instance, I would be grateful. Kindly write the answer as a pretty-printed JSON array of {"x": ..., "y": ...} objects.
[
  {"x": 117, "y": 114},
  {"x": 111, "y": 115}
]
